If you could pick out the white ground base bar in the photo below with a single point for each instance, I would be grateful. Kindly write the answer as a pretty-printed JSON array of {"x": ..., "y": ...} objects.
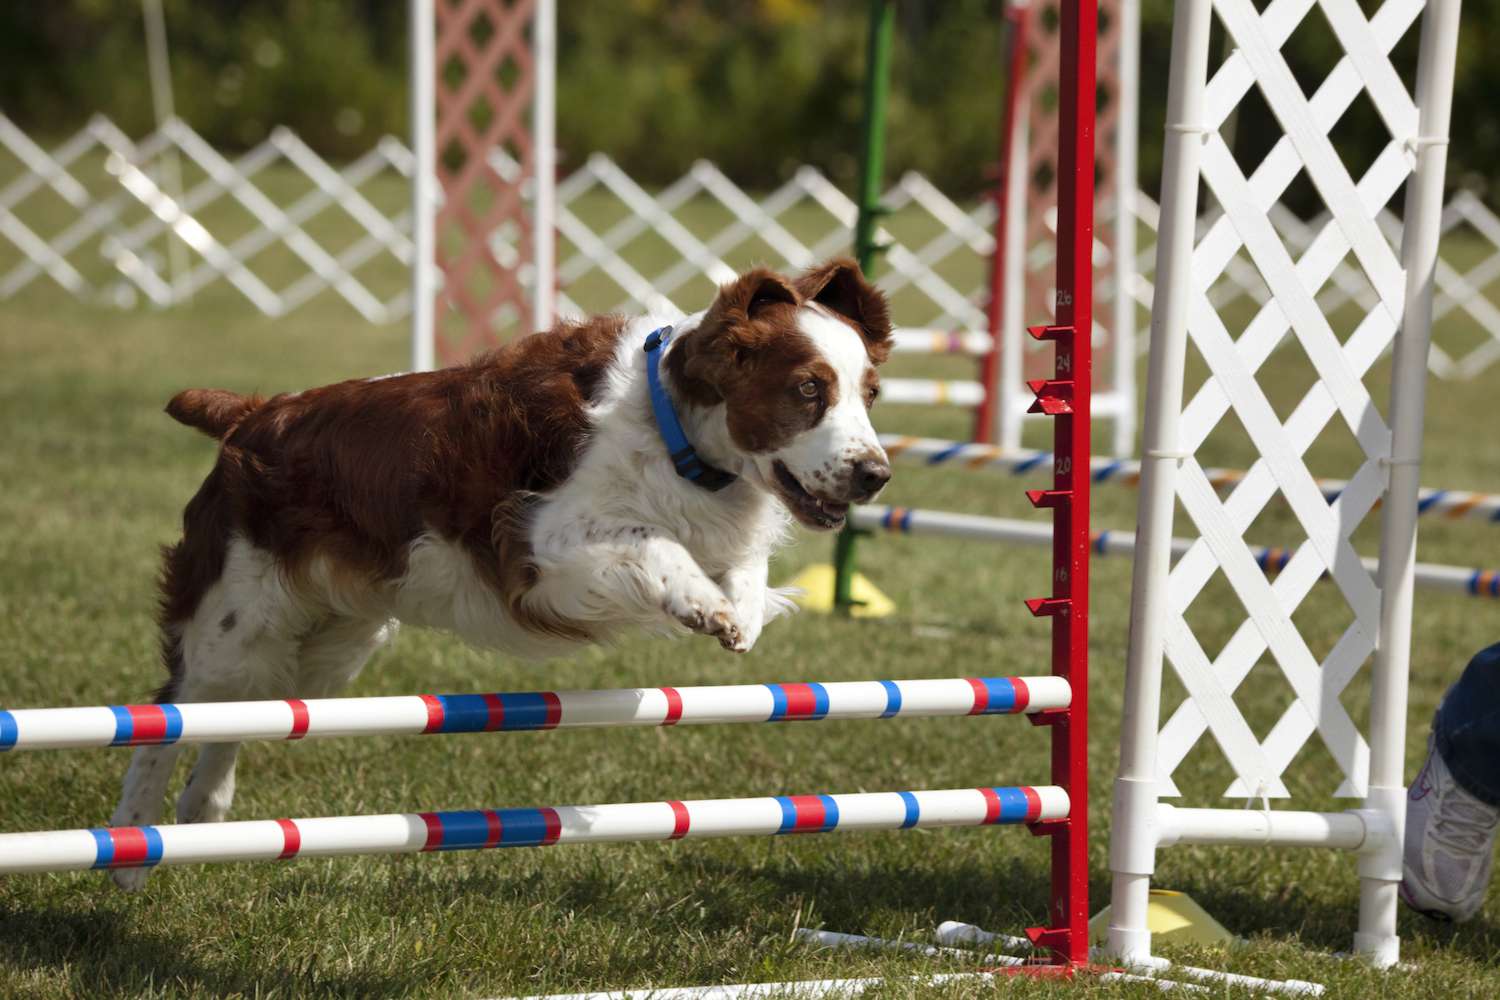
[
  {"x": 766, "y": 991},
  {"x": 912, "y": 521},
  {"x": 409, "y": 833},
  {"x": 827, "y": 987},
  {"x": 221, "y": 722},
  {"x": 1450, "y": 504},
  {"x": 834, "y": 939},
  {"x": 953, "y": 933},
  {"x": 1270, "y": 827}
]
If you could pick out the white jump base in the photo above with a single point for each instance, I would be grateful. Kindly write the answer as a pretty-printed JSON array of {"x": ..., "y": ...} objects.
[
  {"x": 768, "y": 991},
  {"x": 952, "y": 936},
  {"x": 833, "y": 987},
  {"x": 953, "y": 933}
]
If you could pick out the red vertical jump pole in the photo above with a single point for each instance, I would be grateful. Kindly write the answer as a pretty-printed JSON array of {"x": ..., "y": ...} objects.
[
  {"x": 1066, "y": 398},
  {"x": 1017, "y": 18}
]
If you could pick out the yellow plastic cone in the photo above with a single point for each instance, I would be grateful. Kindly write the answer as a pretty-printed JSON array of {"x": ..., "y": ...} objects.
[
  {"x": 816, "y": 583},
  {"x": 1171, "y": 916}
]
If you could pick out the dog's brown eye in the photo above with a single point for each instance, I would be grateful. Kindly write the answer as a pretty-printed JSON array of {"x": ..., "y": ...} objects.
[
  {"x": 809, "y": 389},
  {"x": 872, "y": 394}
]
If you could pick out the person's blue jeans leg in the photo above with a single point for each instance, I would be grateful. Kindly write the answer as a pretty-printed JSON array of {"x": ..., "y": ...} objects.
[{"x": 1466, "y": 728}]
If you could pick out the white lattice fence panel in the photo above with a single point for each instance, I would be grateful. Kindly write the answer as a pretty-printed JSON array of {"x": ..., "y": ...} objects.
[
  {"x": 54, "y": 209},
  {"x": 88, "y": 216},
  {"x": 803, "y": 220},
  {"x": 108, "y": 239},
  {"x": 1465, "y": 278},
  {"x": 1350, "y": 232}
]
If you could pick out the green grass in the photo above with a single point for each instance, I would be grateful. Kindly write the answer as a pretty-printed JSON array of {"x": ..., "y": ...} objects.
[{"x": 94, "y": 478}]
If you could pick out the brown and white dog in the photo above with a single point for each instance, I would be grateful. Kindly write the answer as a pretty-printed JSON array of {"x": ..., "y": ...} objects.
[{"x": 525, "y": 501}]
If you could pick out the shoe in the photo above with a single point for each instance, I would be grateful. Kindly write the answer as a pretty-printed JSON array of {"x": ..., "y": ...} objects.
[{"x": 1450, "y": 840}]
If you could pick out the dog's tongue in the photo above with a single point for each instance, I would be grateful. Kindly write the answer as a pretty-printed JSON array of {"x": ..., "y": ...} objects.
[{"x": 830, "y": 507}]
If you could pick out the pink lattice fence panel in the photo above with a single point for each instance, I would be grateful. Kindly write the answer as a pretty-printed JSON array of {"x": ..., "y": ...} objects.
[{"x": 485, "y": 79}]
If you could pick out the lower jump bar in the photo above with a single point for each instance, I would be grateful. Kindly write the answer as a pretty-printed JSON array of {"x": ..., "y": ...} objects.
[
  {"x": 233, "y": 721},
  {"x": 410, "y": 833}
]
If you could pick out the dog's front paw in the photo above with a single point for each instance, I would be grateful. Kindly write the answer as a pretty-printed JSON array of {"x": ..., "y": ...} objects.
[
  {"x": 723, "y": 625},
  {"x": 715, "y": 618},
  {"x": 690, "y": 613}
]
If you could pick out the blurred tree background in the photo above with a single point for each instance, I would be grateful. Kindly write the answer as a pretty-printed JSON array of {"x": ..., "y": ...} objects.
[{"x": 758, "y": 86}]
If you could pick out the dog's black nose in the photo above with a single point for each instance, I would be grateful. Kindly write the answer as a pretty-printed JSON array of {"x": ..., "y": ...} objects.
[{"x": 870, "y": 477}]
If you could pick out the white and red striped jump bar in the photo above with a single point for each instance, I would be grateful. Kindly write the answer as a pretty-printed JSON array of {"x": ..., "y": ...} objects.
[
  {"x": 225, "y": 722},
  {"x": 1450, "y": 504},
  {"x": 409, "y": 833}
]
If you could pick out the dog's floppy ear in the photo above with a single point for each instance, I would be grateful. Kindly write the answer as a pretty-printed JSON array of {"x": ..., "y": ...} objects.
[
  {"x": 748, "y": 313},
  {"x": 749, "y": 296},
  {"x": 840, "y": 286}
]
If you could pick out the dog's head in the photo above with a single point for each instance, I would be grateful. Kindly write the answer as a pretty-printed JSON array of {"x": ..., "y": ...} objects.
[{"x": 793, "y": 364}]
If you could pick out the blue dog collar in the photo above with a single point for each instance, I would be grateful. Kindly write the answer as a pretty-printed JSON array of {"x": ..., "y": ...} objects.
[{"x": 684, "y": 458}]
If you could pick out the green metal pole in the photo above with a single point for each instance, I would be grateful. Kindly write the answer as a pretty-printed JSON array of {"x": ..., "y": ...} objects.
[
  {"x": 872, "y": 164},
  {"x": 871, "y": 183}
]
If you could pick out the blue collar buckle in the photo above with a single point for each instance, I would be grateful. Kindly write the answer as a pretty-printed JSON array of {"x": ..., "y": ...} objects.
[{"x": 684, "y": 458}]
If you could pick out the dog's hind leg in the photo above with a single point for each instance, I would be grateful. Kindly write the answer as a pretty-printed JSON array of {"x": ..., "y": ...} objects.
[
  {"x": 141, "y": 800},
  {"x": 145, "y": 786},
  {"x": 238, "y": 641},
  {"x": 242, "y": 644},
  {"x": 334, "y": 653},
  {"x": 150, "y": 771},
  {"x": 151, "y": 767},
  {"x": 324, "y": 661},
  {"x": 210, "y": 787}
]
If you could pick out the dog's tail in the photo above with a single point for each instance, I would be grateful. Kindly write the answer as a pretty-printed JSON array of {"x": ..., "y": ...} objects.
[{"x": 212, "y": 411}]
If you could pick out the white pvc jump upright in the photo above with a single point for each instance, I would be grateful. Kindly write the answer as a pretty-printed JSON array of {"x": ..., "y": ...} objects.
[
  {"x": 1117, "y": 402},
  {"x": 423, "y": 27},
  {"x": 1379, "y": 602},
  {"x": 544, "y": 189}
]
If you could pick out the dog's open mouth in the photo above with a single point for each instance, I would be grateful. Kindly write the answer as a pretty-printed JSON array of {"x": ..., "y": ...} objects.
[{"x": 815, "y": 513}]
